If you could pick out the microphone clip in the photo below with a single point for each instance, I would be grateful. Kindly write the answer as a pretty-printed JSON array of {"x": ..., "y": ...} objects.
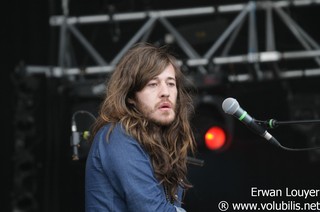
[{"x": 268, "y": 124}]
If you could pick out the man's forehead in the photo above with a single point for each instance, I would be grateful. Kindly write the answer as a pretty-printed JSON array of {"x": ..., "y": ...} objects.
[{"x": 167, "y": 74}]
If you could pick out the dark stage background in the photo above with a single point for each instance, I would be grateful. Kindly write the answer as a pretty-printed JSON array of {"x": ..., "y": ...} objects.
[{"x": 38, "y": 173}]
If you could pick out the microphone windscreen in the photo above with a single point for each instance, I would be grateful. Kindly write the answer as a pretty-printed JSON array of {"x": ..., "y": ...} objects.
[{"x": 230, "y": 105}]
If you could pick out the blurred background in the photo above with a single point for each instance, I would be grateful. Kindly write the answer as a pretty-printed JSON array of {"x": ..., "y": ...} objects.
[{"x": 58, "y": 54}]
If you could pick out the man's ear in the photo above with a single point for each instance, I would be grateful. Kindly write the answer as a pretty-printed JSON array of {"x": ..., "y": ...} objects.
[{"x": 131, "y": 101}]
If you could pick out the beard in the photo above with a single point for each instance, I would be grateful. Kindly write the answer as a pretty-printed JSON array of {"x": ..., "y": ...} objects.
[{"x": 162, "y": 121}]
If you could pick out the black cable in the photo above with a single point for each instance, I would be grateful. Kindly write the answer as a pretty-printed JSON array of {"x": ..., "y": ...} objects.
[
  {"x": 83, "y": 112},
  {"x": 277, "y": 143}
]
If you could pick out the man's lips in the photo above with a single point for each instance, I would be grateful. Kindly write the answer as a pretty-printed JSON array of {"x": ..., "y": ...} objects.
[{"x": 165, "y": 105}]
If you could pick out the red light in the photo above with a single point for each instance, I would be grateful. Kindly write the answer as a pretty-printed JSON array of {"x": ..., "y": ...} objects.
[{"x": 215, "y": 138}]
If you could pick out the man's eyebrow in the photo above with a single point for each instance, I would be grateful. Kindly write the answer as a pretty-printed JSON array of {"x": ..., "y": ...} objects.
[
  {"x": 171, "y": 78},
  {"x": 168, "y": 78}
]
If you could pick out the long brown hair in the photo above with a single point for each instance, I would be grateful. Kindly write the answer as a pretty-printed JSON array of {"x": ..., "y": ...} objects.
[{"x": 168, "y": 148}]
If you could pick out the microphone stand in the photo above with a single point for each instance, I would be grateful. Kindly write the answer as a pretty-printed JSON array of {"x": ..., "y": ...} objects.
[
  {"x": 195, "y": 161},
  {"x": 272, "y": 123}
]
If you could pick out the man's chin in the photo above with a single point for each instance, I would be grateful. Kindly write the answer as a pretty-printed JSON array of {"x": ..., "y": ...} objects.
[{"x": 163, "y": 122}]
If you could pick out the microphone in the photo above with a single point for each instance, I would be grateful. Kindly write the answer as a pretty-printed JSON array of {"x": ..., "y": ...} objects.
[
  {"x": 232, "y": 107},
  {"x": 75, "y": 141}
]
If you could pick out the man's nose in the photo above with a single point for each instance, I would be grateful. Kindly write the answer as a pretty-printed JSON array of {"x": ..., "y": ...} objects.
[{"x": 164, "y": 90}]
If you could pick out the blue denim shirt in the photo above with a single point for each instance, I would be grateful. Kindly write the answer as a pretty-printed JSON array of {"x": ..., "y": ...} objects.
[{"x": 120, "y": 177}]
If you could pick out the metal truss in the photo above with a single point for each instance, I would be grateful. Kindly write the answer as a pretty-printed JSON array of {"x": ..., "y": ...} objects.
[{"x": 253, "y": 56}]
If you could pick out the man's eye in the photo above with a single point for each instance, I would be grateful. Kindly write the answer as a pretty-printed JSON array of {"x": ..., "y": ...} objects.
[
  {"x": 172, "y": 84},
  {"x": 152, "y": 84}
]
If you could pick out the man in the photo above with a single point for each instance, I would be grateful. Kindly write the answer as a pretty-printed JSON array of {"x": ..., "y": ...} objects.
[{"x": 137, "y": 161}]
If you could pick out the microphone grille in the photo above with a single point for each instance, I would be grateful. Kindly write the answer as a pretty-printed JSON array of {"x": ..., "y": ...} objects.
[{"x": 230, "y": 105}]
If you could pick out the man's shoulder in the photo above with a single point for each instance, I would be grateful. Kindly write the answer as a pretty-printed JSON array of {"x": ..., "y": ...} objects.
[
  {"x": 115, "y": 133},
  {"x": 118, "y": 141}
]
